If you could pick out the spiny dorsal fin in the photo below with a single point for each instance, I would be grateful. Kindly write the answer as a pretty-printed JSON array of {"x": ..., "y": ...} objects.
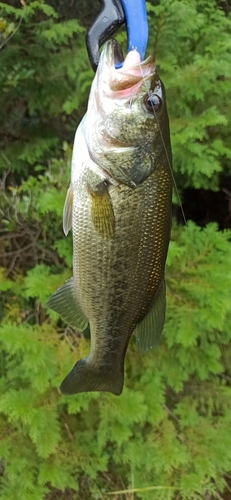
[
  {"x": 67, "y": 212},
  {"x": 64, "y": 302},
  {"x": 149, "y": 330}
]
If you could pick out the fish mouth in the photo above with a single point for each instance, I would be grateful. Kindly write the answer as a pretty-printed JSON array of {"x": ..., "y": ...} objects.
[
  {"x": 115, "y": 53},
  {"x": 131, "y": 74}
]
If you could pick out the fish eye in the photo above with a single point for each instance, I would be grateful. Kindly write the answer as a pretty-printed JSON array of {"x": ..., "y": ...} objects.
[{"x": 152, "y": 103}]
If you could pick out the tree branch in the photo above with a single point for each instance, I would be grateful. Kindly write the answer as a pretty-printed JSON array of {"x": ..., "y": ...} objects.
[{"x": 4, "y": 42}]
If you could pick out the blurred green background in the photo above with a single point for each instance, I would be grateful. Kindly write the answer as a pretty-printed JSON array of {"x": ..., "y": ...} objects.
[{"x": 168, "y": 435}]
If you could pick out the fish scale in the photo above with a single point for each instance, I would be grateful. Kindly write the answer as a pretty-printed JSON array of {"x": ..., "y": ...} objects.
[{"x": 119, "y": 208}]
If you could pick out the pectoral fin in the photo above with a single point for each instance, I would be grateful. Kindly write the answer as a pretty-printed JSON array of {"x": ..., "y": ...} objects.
[
  {"x": 67, "y": 212},
  {"x": 149, "y": 330},
  {"x": 102, "y": 213},
  {"x": 64, "y": 302}
]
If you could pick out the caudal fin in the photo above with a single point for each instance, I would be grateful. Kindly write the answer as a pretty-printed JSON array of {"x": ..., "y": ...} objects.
[{"x": 87, "y": 376}]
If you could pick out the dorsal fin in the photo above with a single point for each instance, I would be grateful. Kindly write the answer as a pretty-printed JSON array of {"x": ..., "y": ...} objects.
[{"x": 149, "y": 330}]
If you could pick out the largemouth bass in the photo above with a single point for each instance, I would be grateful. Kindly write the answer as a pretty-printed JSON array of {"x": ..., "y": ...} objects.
[{"x": 119, "y": 208}]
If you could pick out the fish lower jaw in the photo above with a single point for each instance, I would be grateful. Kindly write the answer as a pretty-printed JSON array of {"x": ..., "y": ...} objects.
[{"x": 87, "y": 376}]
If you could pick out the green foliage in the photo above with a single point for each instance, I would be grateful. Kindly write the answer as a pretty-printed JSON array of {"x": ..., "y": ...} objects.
[
  {"x": 42, "y": 71},
  {"x": 168, "y": 435},
  {"x": 192, "y": 45},
  {"x": 170, "y": 427}
]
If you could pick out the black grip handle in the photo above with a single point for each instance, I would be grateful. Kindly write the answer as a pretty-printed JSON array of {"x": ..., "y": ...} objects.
[{"x": 107, "y": 22}]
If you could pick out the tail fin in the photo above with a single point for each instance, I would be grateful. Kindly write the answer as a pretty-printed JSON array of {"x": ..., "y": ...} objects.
[{"x": 87, "y": 376}]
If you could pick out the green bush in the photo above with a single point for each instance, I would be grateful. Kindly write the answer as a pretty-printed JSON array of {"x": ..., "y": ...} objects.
[{"x": 168, "y": 435}]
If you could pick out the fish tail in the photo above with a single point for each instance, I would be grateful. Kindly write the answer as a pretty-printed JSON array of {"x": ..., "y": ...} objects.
[{"x": 86, "y": 377}]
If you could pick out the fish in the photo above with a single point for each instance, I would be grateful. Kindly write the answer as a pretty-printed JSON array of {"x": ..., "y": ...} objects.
[{"x": 118, "y": 206}]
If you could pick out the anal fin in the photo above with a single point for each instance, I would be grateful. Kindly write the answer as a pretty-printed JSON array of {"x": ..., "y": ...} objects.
[
  {"x": 102, "y": 213},
  {"x": 148, "y": 331},
  {"x": 64, "y": 302}
]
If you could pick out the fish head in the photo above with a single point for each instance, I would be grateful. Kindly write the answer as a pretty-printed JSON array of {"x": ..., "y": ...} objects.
[{"x": 128, "y": 116}]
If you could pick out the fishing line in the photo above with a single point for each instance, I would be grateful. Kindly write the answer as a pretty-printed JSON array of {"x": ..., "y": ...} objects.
[
  {"x": 170, "y": 166},
  {"x": 166, "y": 152}
]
